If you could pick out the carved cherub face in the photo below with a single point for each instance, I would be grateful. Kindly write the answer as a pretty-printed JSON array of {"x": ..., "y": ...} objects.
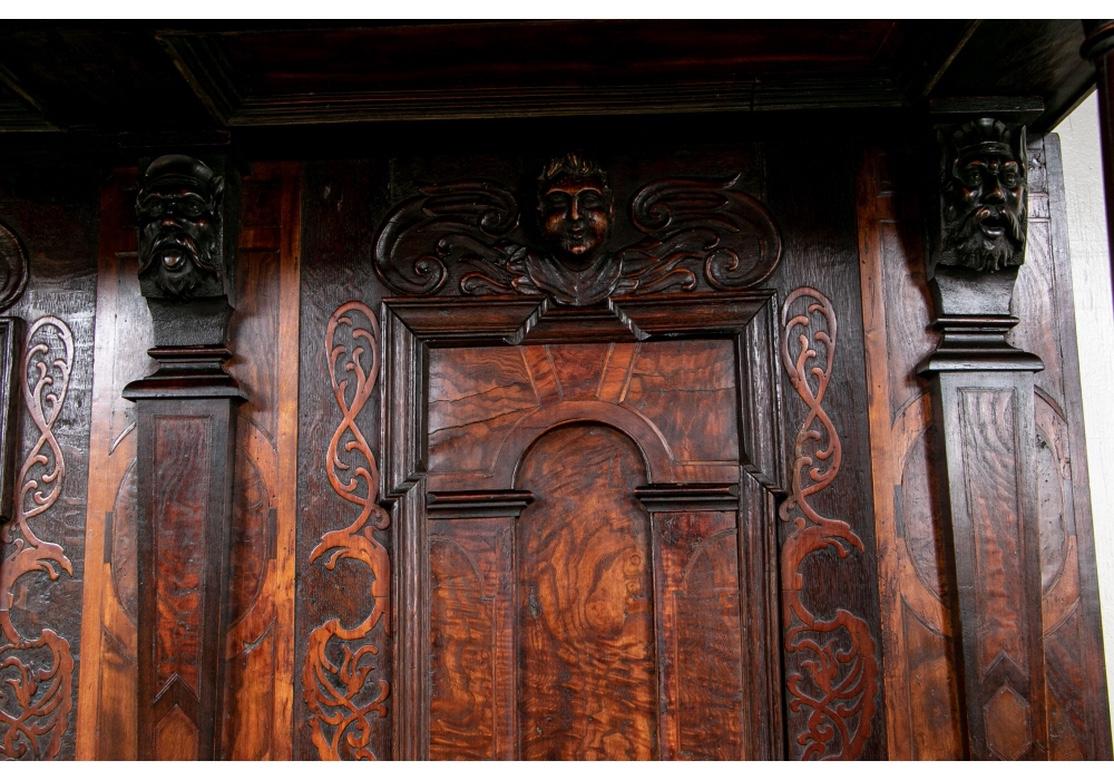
[
  {"x": 575, "y": 210},
  {"x": 985, "y": 212},
  {"x": 179, "y": 227}
]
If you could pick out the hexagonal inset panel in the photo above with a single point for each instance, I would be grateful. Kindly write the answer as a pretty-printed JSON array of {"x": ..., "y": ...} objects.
[{"x": 1008, "y": 728}]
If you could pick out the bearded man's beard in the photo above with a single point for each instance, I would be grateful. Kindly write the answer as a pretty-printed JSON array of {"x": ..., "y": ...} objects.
[
  {"x": 197, "y": 262},
  {"x": 976, "y": 250}
]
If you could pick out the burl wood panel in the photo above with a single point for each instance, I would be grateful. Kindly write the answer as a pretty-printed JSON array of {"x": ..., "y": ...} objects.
[
  {"x": 918, "y": 592},
  {"x": 590, "y": 626},
  {"x": 182, "y": 450},
  {"x": 473, "y": 658},
  {"x": 52, "y": 208},
  {"x": 488, "y": 402},
  {"x": 1003, "y": 670},
  {"x": 699, "y": 635},
  {"x": 259, "y": 640},
  {"x": 585, "y": 600}
]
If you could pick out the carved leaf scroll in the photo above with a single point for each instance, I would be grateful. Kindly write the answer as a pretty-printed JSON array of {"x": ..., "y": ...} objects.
[
  {"x": 446, "y": 229},
  {"x": 699, "y": 228},
  {"x": 344, "y": 687},
  {"x": 36, "y": 672},
  {"x": 466, "y": 238},
  {"x": 834, "y": 682}
]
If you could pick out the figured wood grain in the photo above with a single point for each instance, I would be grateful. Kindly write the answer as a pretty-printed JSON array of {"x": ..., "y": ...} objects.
[
  {"x": 489, "y": 401},
  {"x": 585, "y": 599},
  {"x": 996, "y": 561},
  {"x": 176, "y": 736},
  {"x": 916, "y": 587},
  {"x": 731, "y": 703},
  {"x": 264, "y": 331},
  {"x": 107, "y": 683},
  {"x": 181, "y": 452},
  {"x": 259, "y": 641},
  {"x": 699, "y": 635},
  {"x": 1078, "y": 707},
  {"x": 473, "y": 657}
]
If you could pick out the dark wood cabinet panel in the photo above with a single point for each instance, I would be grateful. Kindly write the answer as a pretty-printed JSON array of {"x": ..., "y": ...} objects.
[
  {"x": 581, "y": 628},
  {"x": 918, "y": 587},
  {"x": 258, "y": 644},
  {"x": 586, "y": 650},
  {"x": 52, "y": 215}
]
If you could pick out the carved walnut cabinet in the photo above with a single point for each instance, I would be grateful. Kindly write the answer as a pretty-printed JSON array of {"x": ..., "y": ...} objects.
[{"x": 628, "y": 390}]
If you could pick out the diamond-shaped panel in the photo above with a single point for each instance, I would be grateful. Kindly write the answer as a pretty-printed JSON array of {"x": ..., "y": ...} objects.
[{"x": 1008, "y": 728}]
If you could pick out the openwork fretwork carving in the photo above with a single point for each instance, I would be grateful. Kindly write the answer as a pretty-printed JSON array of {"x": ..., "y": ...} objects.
[
  {"x": 469, "y": 238},
  {"x": 835, "y": 680},
  {"x": 36, "y": 671},
  {"x": 343, "y": 685}
]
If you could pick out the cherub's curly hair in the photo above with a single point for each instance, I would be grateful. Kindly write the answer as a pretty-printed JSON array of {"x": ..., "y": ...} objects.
[{"x": 572, "y": 166}]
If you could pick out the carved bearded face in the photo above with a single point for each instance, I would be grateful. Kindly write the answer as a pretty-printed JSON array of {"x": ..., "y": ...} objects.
[
  {"x": 179, "y": 228},
  {"x": 985, "y": 211},
  {"x": 575, "y": 211}
]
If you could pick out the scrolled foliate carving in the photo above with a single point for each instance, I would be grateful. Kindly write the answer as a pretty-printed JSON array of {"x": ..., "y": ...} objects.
[
  {"x": 36, "y": 667},
  {"x": 181, "y": 254},
  {"x": 834, "y": 677},
  {"x": 983, "y": 193},
  {"x": 343, "y": 681},
  {"x": 470, "y": 238}
]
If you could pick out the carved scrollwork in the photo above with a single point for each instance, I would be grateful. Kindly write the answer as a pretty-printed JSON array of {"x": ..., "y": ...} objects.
[
  {"x": 458, "y": 225},
  {"x": 13, "y": 267},
  {"x": 36, "y": 671},
  {"x": 835, "y": 684},
  {"x": 467, "y": 238},
  {"x": 343, "y": 686}
]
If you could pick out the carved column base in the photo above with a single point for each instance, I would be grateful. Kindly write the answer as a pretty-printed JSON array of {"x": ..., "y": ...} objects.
[
  {"x": 983, "y": 405},
  {"x": 988, "y": 423},
  {"x": 186, "y": 424}
]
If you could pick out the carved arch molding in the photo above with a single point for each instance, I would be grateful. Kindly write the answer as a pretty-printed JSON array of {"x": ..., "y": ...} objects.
[{"x": 476, "y": 267}]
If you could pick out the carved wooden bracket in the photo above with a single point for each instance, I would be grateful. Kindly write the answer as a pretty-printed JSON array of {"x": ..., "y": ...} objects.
[
  {"x": 186, "y": 426},
  {"x": 983, "y": 397}
]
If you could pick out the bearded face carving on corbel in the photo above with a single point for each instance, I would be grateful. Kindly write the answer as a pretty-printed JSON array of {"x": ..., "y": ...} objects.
[
  {"x": 180, "y": 236},
  {"x": 983, "y": 197}
]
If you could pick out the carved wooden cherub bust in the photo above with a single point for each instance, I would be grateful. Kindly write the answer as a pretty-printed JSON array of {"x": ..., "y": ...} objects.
[
  {"x": 575, "y": 210},
  {"x": 465, "y": 237},
  {"x": 984, "y": 189},
  {"x": 180, "y": 241}
]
